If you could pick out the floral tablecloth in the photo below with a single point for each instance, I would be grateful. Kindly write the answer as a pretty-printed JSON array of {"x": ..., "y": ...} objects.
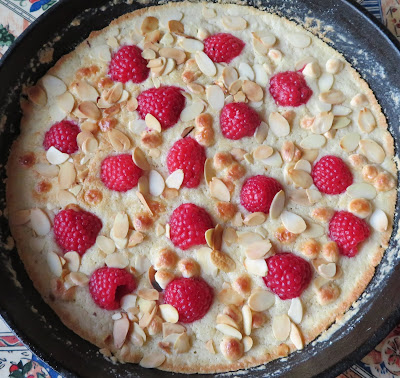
[{"x": 17, "y": 361}]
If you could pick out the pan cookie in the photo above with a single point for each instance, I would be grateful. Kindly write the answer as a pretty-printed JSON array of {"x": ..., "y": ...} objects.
[{"x": 201, "y": 187}]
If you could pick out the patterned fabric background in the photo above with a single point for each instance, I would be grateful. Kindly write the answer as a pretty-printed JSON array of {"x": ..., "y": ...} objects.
[{"x": 18, "y": 362}]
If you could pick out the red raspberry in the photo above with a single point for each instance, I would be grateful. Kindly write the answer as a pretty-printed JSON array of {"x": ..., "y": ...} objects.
[
  {"x": 128, "y": 64},
  {"x": 223, "y": 47},
  {"x": 188, "y": 223},
  {"x": 164, "y": 103},
  {"x": 289, "y": 89},
  {"x": 258, "y": 192},
  {"x": 331, "y": 175},
  {"x": 76, "y": 230},
  {"x": 108, "y": 285},
  {"x": 62, "y": 136},
  {"x": 120, "y": 173},
  {"x": 288, "y": 275},
  {"x": 192, "y": 297},
  {"x": 188, "y": 155},
  {"x": 238, "y": 120},
  {"x": 348, "y": 231}
]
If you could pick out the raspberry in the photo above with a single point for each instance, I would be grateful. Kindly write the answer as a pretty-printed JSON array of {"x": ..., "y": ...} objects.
[
  {"x": 223, "y": 47},
  {"x": 331, "y": 175},
  {"x": 348, "y": 231},
  {"x": 164, "y": 103},
  {"x": 62, "y": 136},
  {"x": 108, "y": 285},
  {"x": 258, "y": 192},
  {"x": 120, "y": 173},
  {"x": 76, "y": 230},
  {"x": 128, "y": 64},
  {"x": 188, "y": 155},
  {"x": 289, "y": 89},
  {"x": 188, "y": 223},
  {"x": 288, "y": 275},
  {"x": 238, "y": 120},
  {"x": 192, "y": 297}
]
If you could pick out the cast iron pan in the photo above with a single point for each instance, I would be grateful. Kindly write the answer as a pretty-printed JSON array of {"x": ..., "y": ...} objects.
[{"x": 364, "y": 42}]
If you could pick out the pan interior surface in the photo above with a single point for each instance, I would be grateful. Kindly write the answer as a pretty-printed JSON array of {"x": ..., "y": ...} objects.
[{"x": 373, "y": 316}]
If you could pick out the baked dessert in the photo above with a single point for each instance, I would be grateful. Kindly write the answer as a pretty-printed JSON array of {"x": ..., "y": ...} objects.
[{"x": 201, "y": 187}]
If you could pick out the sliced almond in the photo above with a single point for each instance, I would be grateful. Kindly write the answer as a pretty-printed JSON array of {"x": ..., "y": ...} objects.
[
  {"x": 149, "y": 24},
  {"x": 278, "y": 124},
  {"x": 215, "y": 97},
  {"x": 119, "y": 140},
  {"x": 53, "y": 86},
  {"x": 258, "y": 249},
  {"x": 217, "y": 237},
  {"x": 219, "y": 190},
  {"x": 333, "y": 96},
  {"x": 152, "y": 360},
  {"x": 229, "y": 236},
  {"x": 314, "y": 230},
  {"x": 359, "y": 99},
  {"x": 190, "y": 112},
  {"x": 116, "y": 260},
  {"x": 54, "y": 263},
  {"x": 120, "y": 331},
  {"x": 281, "y": 327},
  {"x": 312, "y": 70},
  {"x": 372, "y": 151},
  {"x": 234, "y": 22},
  {"x": 169, "y": 66},
  {"x": 235, "y": 87},
  {"x": 229, "y": 75},
  {"x": 257, "y": 267},
  {"x": 121, "y": 225},
  {"x": 149, "y": 54},
  {"x": 350, "y": 142},
  {"x": 73, "y": 260},
  {"x": 152, "y": 123},
  {"x": 169, "y": 52},
  {"x": 156, "y": 183},
  {"x": 325, "y": 82},
  {"x": 247, "y": 238},
  {"x": 169, "y": 313},
  {"x": 327, "y": 270},
  {"x": 296, "y": 337},
  {"x": 142, "y": 199},
  {"x": 229, "y": 331},
  {"x": 275, "y": 160},
  {"x": 366, "y": 120},
  {"x": 261, "y": 300},
  {"x": 106, "y": 244},
  {"x": 182, "y": 343},
  {"x": 55, "y": 156},
  {"x": 361, "y": 190},
  {"x": 303, "y": 165},
  {"x": 262, "y": 152},
  {"x": 205, "y": 64},
  {"x": 247, "y": 343},
  {"x": 299, "y": 40},
  {"x": 296, "y": 310},
  {"x": 79, "y": 279},
  {"x": 313, "y": 142},
  {"x": 334, "y": 66},
  {"x": 209, "y": 171},
  {"x": 293, "y": 222},
  {"x": 340, "y": 123},
  {"x": 210, "y": 346},
  {"x": 192, "y": 45},
  {"x": 222, "y": 261},
  {"x": 261, "y": 133},
  {"x": 65, "y": 102},
  {"x": 301, "y": 178},
  {"x": 139, "y": 158},
  {"x": 37, "y": 95},
  {"x": 261, "y": 78},
  {"x": 85, "y": 91},
  {"x": 172, "y": 328},
  {"x": 175, "y": 26},
  {"x": 204, "y": 259},
  {"x": 175, "y": 179},
  {"x": 379, "y": 220},
  {"x": 252, "y": 90},
  {"x": 149, "y": 294},
  {"x": 209, "y": 237},
  {"x": 46, "y": 170},
  {"x": 247, "y": 319},
  {"x": 322, "y": 123},
  {"x": 313, "y": 195},
  {"x": 225, "y": 319},
  {"x": 195, "y": 88},
  {"x": 40, "y": 222},
  {"x": 67, "y": 175}
]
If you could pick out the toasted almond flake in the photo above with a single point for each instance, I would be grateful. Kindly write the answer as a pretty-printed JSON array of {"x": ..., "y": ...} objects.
[
  {"x": 152, "y": 123},
  {"x": 258, "y": 249},
  {"x": 334, "y": 66},
  {"x": 296, "y": 337},
  {"x": 229, "y": 236},
  {"x": 21, "y": 217},
  {"x": 175, "y": 26},
  {"x": 152, "y": 360},
  {"x": 379, "y": 220},
  {"x": 222, "y": 261},
  {"x": 229, "y": 331},
  {"x": 169, "y": 66},
  {"x": 157, "y": 63},
  {"x": 254, "y": 219},
  {"x": 148, "y": 25},
  {"x": 312, "y": 70},
  {"x": 278, "y": 124},
  {"x": 138, "y": 330},
  {"x": 47, "y": 170},
  {"x": 119, "y": 140},
  {"x": 325, "y": 82},
  {"x": 210, "y": 346},
  {"x": 277, "y": 205},
  {"x": 186, "y": 131},
  {"x": 245, "y": 72},
  {"x": 149, "y": 294},
  {"x": 293, "y": 222},
  {"x": 53, "y": 86},
  {"x": 340, "y": 122},
  {"x": 340, "y": 110},
  {"x": 249, "y": 158},
  {"x": 256, "y": 267},
  {"x": 128, "y": 301},
  {"x": 90, "y": 146},
  {"x": 85, "y": 91},
  {"x": 313, "y": 142},
  {"x": 275, "y": 160},
  {"x": 205, "y": 64},
  {"x": 55, "y": 156},
  {"x": 217, "y": 237},
  {"x": 333, "y": 96},
  {"x": 37, "y": 95},
  {"x": 169, "y": 313},
  {"x": 299, "y": 40},
  {"x": 301, "y": 178},
  {"x": 215, "y": 97},
  {"x": 192, "y": 111},
  {"x": 121, "y": 225},
  {"x": 67, "y": 175},
  {"x": 65, "y": 102},
  {"x": 247, "y": 319},
  {"x": 156, "y": 183},
  {"x": 303, "y": 165},
  {"x": 359, "y": 99},
  {"x": 64, "y": 198},
  {"x": 204, "y": 259},
  {"x": 361, "y": 190},
  {"x": 296, "y": 310},
  {"x": 322, "y": 123},
  {"x": 73, "y": 261},
  {"x": 225, "y": 319},
  {"x": 139, "y": 158},
  {"x": 327, "y": 270},
  {"x": 234, "y": 22},
  {"x": 261, "y": 133},
  {"x": 247, "y": 343},
  {"x": 195, "y": 88},
  {"x": 172, "y": 328},
  {"x": 235, "y": 87},
  {"x": 106, "y": 244},
  {"x": 54, "y": 263},
  {"x": 182, "y": 343},
  {"x": 281, "y": 327},
  {"x": 350, "y": 142},
  {"x": 219, "y": 191},
  {"x": 252, "y": 90},
  {"x": 175, "y": 179},
  {"x": 178, "y": 55},
  {"x": 79, "y": 278},
  {"x": 261, "y": 76},
  {"x": 366, "y": 120},
  {"x": 372, "y": 151},
  {"x": 265, "y": 37},
  {"x": 116, "y": 260},
  {"x": 192, "y": 45},
  {"x": 149, "y": 54},
  {"x": 247, "y": 238},
  {"x": 40, "y": 222},
  {"x": 313, "y": 196},
  {"x": 261, "y": 300},
  {"x": 229, "y": 75}
]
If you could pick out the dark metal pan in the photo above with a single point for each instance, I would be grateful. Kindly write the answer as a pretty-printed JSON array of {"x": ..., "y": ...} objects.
[{"x": 364, "y": 42}]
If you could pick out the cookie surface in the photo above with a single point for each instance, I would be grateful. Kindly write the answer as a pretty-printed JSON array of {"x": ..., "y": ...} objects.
[{"x": 321, "y": 108}]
